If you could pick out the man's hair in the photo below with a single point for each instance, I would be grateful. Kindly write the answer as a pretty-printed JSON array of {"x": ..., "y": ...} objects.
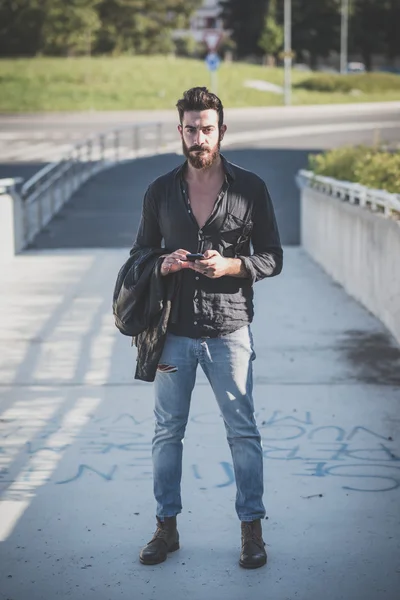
[{"x": 199, "y": 98}]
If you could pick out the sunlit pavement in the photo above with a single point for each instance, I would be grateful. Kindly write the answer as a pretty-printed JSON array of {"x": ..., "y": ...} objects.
[{"x": 75, "y": 453}]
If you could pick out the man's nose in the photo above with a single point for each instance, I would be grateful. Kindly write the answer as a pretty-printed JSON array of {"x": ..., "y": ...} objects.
[{"x": 200, "y": 137}]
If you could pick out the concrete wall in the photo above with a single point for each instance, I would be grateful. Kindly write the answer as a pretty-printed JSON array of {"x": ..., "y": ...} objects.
[{"x": 359, "y": 249}]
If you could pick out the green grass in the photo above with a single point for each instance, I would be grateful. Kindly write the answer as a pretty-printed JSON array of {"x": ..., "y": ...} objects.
[
  {"x": 128, "y": 83},
  {"x": 366, "y": 83}
]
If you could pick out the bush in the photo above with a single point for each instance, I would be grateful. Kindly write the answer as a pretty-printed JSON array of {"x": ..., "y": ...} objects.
[
  {"x": 373, "y": 167},
  {"x": 379, "y": 170},
  {"x": 365, "y": 82},
  {"x": 185, "y": 46}
]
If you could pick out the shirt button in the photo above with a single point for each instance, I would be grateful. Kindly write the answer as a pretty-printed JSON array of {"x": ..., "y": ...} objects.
[
  {"x": 195, "y": 322},
  {"x": 197, "y": 278}
]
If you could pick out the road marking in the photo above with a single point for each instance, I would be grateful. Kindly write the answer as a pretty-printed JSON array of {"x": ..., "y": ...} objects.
[
  {"x": 8, "y": 136},
  {"x": 305, "y": 130},
  {"x": 37, "y": 151}
]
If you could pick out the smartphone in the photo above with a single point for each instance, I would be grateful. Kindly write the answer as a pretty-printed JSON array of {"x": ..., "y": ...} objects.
[{"x": 193, "y": 257}]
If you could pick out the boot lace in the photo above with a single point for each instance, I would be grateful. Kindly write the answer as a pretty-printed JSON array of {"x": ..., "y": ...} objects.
[
  {"x": 160, "y": 534},
  {"x": 250, "y": 535}
]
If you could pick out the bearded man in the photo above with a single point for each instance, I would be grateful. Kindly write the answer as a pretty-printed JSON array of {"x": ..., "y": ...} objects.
[{"x": 217, "y": 224}]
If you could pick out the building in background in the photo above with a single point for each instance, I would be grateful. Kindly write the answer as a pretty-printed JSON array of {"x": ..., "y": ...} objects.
[{"x": 206, "y": 18}]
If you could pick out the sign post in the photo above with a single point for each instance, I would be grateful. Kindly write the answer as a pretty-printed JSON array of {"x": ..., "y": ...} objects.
[
  {"x": 288, "y": 51},
  {"x": 213, "y": 61},
  {"x": 212, "y": 39}
]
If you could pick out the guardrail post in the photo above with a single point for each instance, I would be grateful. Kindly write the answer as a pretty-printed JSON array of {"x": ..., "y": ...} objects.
[
  {"x": 159, "y": 137},
  {"x": 11, "y": 219},
  {"x": 116, "y": 144},
  {"x": 136, "y": 140},
  {"x": 89, "y": 156},
  {"x": 102, "y": 147}
]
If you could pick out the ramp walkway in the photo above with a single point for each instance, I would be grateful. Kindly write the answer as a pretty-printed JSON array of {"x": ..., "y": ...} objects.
[{"x": 76, "y": 428}]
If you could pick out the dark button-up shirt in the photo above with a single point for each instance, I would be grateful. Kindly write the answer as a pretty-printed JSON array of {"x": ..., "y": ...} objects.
[{"x": 242, "y": 225}]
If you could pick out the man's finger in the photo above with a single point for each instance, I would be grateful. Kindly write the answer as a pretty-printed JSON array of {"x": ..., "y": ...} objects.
[{"x": 211, "y": 253}]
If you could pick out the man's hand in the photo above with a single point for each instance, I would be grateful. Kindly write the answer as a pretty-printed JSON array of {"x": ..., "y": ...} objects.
[
  {"x": 213, "y": 265},
  {"x": 176, "y": 261}
]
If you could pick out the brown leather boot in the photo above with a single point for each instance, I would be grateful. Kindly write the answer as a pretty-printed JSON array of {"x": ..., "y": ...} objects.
[
  {"x": 165, "y": 539},
  {"x": 253, "y": 553}
]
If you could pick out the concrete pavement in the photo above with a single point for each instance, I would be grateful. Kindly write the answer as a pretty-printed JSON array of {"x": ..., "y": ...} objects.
[
  {"x": 75, "y": 428},
  {"x": 76, "y": 434}
]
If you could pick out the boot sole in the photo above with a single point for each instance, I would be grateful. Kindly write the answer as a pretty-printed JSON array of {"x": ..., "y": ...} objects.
[
  {"x": 173, "y": 548},
  {"x": 250, "y": 566}
]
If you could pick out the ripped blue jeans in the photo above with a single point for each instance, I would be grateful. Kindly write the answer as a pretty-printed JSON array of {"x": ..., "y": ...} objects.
[{"x": 227, "y": 364}]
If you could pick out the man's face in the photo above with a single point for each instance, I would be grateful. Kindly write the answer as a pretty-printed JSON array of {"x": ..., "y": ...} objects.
[{"x": 201, "y": 137}]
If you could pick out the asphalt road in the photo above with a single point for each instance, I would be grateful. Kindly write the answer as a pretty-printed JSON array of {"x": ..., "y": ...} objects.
[{"x": 28, "y": 142}]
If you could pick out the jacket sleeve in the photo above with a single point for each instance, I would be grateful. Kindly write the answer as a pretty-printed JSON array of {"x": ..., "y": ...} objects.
[
  {"x": 149, "y": 234},
  {"x": 267, "y": 257}
]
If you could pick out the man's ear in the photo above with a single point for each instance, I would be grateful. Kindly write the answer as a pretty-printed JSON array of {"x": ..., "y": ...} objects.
[
  {"x": 222, "y": 131},
  {"x": 180, "y": 129}
]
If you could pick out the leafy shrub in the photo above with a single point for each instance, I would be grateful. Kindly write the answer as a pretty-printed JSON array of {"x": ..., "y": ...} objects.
[
  {"x": 379, "y": 170},
  {"x": 338, "y": 163},
  {"x": 372, "y": 167},
  {"x": 365, "y": 82}
]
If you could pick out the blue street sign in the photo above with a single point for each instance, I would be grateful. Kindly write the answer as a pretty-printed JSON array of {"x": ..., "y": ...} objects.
[{"x": 213, "y": 61}]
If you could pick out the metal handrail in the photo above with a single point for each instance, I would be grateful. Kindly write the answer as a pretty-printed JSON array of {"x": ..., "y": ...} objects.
[
  {"x": 379, "y": 201},
  {"x": 45, "y": 193}
]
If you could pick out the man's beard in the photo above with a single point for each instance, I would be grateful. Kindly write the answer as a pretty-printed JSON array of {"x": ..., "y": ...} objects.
[{"x": 203, "y": 159}]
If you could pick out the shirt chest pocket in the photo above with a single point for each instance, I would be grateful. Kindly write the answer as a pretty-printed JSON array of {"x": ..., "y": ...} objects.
[{"x": 234, "y": 235}]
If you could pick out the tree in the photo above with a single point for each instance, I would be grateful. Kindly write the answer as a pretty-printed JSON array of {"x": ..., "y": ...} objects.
[
  {"x": 245, "y": 19},
  {"x": 60, "y": 27},
  {"x": 70, "y": 28},
  {"x": 364, "y": 13},
  {"x": 20, "y": 27},
  {"x": 391, "y": 22},
  {"x": 142, "y": 26},
  {"x": 271, "y": 40},
  {"x": 315, "y": 28}
]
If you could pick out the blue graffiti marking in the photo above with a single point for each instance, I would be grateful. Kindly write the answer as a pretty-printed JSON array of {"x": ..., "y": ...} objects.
[
  {"x": 132, "y": 418},
  {"x": 196, "y": 473},
  {"x": 359, "y": 428},
  {"x": 106, "y": 447},
  {"x": 277, "y": 419},
  {"x": 320, "y": 469},
  {"x": 30, "y": 449},
  {"x": 340, "y": 432},
  {"x": 288, "y": 453},
  {"x": 285, "y": 438},
  {"x": 82, "y": 468},
  {"x": 228, "y": 468}
]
